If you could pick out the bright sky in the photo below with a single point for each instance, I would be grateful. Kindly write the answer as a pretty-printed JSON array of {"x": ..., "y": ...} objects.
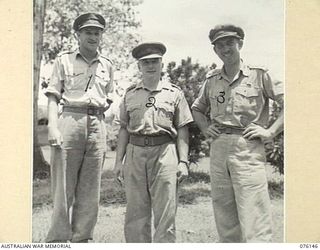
[{"x": 183, "y": 26}]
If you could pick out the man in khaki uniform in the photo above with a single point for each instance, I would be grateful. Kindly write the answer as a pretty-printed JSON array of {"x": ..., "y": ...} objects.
[
  {"x": 82, "y": 82},
  {"x": 237, "y": 100},
  {"x": 152, "y": 148}
]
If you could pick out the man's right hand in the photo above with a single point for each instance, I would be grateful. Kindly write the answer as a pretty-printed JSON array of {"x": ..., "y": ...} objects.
[
  {"x": 211, "y": 132},
  {"x": 118, "y": 171},
  {"x": 54, "y": 137}
]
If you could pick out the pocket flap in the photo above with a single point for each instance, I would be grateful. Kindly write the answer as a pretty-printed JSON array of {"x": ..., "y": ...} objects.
[
  {"x": 248, "y": 92},
  {"x": 167, "y": 106},
  {"x": 74, "y": 71},
  {"x": 103, "y": 74}
]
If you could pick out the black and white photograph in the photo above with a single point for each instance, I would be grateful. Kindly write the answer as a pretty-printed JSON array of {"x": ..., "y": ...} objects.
[{"x": 158, "y": 121}]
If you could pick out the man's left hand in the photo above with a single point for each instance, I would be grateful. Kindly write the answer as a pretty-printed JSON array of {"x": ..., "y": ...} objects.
[
  {"x": 254, "y": 131},
  {"x": 182, "y": 172}
]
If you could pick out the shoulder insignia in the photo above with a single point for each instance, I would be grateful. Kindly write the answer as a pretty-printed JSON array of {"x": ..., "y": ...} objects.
[
  {"x": 65, "y": 52},
  {"x": 212, "y": 73},
  {"x": 131, "y": 87},
  {"x": 257, "y": 67},
  {"x": 103, "y": 56},
  {"x": 175, "y": 86}
]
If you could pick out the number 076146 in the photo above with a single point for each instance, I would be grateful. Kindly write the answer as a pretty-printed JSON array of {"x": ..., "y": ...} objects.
[{"x": 305, "y": 245}]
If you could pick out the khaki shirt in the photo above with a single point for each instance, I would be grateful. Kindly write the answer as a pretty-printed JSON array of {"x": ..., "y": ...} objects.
[
  {"x": 77, "y": 83},
  {"x": 243, "y": 101},
  {"x": 161, "y": 111}
]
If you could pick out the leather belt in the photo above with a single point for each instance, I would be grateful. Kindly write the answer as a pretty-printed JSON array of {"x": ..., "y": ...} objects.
[
  {"x": 90, "y": 110},
  {"x": 145, "y": 140},
  {"x": 230, "y": 130}
]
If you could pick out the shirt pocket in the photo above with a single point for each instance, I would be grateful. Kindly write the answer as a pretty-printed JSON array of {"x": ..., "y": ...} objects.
[
  {"x": 75, "y": 79},
  {"x": 164, "y": 114},
  {"x": 102, "y": 78},
  {"x": 217, "y": 104},
  {"x": 135, "y": 113},
  {"x": 246, "y": 100}
]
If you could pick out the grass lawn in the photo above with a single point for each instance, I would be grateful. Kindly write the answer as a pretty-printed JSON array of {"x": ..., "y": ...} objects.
[{"x": 194, "y": 221}]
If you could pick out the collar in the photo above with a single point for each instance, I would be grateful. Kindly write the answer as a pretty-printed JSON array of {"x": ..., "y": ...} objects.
[
  {"x": 244, "y": 70},
  {"x": 161, "y": 85},
  {"x": 78, "y": 54}
]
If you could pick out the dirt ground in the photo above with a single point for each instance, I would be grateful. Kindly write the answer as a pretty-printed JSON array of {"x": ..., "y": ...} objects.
[{"x": 194, "y": 222}]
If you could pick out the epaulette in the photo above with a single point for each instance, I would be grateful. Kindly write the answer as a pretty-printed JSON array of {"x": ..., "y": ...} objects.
[
  {"x": 65, "y": 52},
  {"x": 212, "y": 73},
  {"x": 131, "y": 87},
  {"x": 258, "y": 67},
  {"x": 103, "y": 56},
  {"x": 175, "y": 86}
]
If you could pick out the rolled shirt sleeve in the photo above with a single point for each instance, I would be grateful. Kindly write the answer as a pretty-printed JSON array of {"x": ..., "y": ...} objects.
[
  {"x": 183, "y": 114},
  {"x": 110, "y": 86},
  {"x": 273, "y": 88},
  {"x": 123, "y": 115},
  {"x": 55, "y": 85},
  {"x": 201, "y": 103}
]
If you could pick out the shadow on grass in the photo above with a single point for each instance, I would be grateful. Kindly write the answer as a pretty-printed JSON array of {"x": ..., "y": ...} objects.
[
  {"x": 196, "y": 185},
  {"x": 41, "y": 194},
  {"x": 111, "y": 192},
  {"x": 276, "y": 189},
  {"x": 188, "y": 196},
  {"x": 195, "y": 177}
]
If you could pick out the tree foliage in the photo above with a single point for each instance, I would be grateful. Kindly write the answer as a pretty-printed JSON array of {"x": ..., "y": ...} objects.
[
  {"x": 118, "y": 39},
  {"x": 275, "y": 148},
  {"x": 189, "y": 77}
]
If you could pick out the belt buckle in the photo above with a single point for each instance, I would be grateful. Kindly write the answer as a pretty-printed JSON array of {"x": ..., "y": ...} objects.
[
  {"x": 228, "y": 131},
  {"x": 91, "y": 111},
  {"x": 146, "y": 141}
]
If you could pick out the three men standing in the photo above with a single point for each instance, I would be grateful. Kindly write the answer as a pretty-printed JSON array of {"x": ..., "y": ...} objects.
[
  {"x": 237, "y": 99},
  {"x": 82, "y": 81},
  {"x": 152, "y": 153}
]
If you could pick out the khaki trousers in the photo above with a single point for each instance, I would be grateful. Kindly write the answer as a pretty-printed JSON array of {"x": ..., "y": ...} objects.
[
  {"x": 76, "y": 176},
  {"x": 151, "y": 184},
  {"x": 240, "y": 190}
]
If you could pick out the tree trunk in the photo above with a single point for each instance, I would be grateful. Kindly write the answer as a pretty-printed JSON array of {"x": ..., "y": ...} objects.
[{"x": 39, "y": 163}]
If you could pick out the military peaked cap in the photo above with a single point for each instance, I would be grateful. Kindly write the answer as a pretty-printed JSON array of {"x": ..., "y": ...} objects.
[
  {"x": 89, "y": 20},
  {"x": 149, "y": 50},
  {"x": 225, "y": 30}
]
